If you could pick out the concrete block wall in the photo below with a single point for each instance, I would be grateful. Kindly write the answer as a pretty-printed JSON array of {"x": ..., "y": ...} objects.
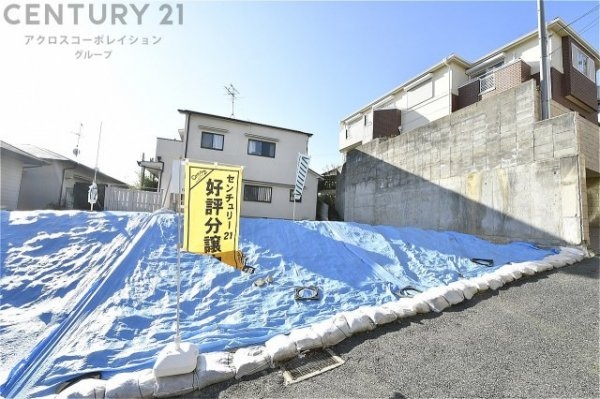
[
  {"x": 589, "y": 138},
  {"x": 490, "y": 169}
]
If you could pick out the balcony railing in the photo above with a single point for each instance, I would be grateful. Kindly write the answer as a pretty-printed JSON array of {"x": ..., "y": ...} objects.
[{"x": 487, "y": 82}]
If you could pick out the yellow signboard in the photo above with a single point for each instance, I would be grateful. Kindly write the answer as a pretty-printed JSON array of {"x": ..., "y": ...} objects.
[{"x": 212, "y": 211}]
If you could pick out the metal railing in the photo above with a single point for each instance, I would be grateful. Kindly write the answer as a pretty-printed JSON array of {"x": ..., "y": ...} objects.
[{"x": 487, "y": 82}]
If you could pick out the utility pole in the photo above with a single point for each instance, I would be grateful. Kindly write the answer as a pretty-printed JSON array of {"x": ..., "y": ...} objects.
[
  {"x": 545, "y": 78},
  {"x": 93, "y": 190},
  {"x": 232, "y": 91}
]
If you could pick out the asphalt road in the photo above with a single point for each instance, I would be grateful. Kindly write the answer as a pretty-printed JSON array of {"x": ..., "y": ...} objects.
[{"x": 534, "y": 338}]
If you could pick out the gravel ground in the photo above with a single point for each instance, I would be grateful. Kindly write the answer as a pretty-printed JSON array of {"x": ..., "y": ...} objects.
[{"x": 535, "y": 338}]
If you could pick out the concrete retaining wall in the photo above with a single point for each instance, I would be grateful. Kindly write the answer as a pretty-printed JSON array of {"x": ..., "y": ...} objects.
[{"x": 490, "y": 169}]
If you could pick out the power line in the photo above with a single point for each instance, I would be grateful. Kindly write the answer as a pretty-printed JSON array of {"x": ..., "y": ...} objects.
[
  {"x": 581, "y": 16},
  {"x": 582, "y": 30},
  {"x": 588, "y": 26}
]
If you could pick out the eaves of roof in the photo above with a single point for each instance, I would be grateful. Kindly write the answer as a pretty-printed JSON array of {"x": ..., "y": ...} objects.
[
  {"x": 185, "y": 111},
  {"x": 42, "y": 153},
  {"x": 49, "y": 156},
  {"x": 27, "y": 158},
  {"x": 557, "y": 25}
]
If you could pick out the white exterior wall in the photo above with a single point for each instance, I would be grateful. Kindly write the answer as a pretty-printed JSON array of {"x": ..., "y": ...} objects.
[
  {"x": 278, "y": 172},
  {"x": 354, "y": 132},
  {"x": 419, "y": 105},
  {"x": 281, "y": 169},
  {"x": 556, "y": 52},
  {"x": 529, "y": 52},
  {"x": 280, "y": 206},
  {"x": 427, "y": 102},
  {"x": 458, "y": 78},
  {"x": 10, "y": 181},
  {"x": 168, "y": 150}
]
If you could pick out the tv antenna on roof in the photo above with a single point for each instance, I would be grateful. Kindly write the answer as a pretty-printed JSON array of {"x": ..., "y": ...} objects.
[
  {"x": 76, "y": 150},
  {"x": 232, "y": 91}
]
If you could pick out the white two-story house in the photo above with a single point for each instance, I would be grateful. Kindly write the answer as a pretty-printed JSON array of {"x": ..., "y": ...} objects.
[
  {"x": 454, "y": 83},
  {"x": 268, "y": 154}
]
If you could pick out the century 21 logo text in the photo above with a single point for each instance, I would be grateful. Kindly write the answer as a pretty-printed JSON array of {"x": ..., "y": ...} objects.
[{"x": 97, "y": 14}]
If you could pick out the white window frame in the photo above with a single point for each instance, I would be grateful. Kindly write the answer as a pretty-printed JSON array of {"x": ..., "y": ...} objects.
[{"x": 583, "y": 62}]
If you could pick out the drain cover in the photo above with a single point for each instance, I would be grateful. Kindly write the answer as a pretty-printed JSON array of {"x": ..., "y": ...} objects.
[{"x": 310, "y": 364}]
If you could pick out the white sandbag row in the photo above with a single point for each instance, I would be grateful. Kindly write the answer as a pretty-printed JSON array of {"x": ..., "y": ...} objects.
[
  {"x": 137, "y": 385},
  {"x": 211, "y": 368},
  {"x": 515, "y": 271},
  {"x": 217, "y": 367}
]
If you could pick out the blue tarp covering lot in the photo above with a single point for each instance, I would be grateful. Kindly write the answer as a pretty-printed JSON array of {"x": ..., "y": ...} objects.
[{"x": 96, "y": 291}]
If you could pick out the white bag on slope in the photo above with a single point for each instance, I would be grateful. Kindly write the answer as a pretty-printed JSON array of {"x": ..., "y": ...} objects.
[
  {"x": 88, "y": 388},
  {"x": 481, "y": 283},
  {"x": 358, "y": 321},
  {"x": 557, "y": 261},
  {"x": 250, "y": 360},
  {"x": 453, "y": 295},
  {"x": 305, "y": 339},
  {"x": 434, "y": 299},
  {"x": 407, "y": 307},
  {"x": 493, "y": 281},
  {"x": 537, "y": 267},
  {"x": 379, "y": 314},
  {"x": 340, "y": 322},
  {"x": 138, "y": 385},
  {"x": 504, "y": 275},
  {"x": 467, "y": 288},
  {"x": 528, "y": 269},
  {"x": 214, "y": 367},
  {"x": 401, "y": 308},
  {"x": 514, "y": 269},
  {"x": 175, "y": 385},
  {"x": 280, "y": 347},
  {"x": 330, "y": 334},
  {"x": 575, "y": 253}
]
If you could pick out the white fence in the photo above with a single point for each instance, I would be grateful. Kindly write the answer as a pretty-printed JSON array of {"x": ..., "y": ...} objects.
[{"x": 122, "y": 199}]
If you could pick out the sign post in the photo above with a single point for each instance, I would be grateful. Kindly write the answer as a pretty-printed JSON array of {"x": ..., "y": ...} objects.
[{"x": 211, "y": 222}]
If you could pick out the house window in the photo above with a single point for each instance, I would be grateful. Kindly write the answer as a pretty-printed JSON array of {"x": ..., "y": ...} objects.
[
  {"x": 257, "y": 193},
  {"x": 420, "y": 93},
  {"x": 212, "y": 141},
  {"x": 583, "y": 63},
  {"x": 292, "y": 196},
  {"x": 261, "y": 148},
  {"x": 485, "y": 71}
]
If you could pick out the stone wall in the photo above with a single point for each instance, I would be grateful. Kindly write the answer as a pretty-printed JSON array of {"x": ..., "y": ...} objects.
[{"x": 490, "y": 169}]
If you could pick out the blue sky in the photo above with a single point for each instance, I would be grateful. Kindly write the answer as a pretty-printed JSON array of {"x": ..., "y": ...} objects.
[{"x": 302, "y": 65}]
